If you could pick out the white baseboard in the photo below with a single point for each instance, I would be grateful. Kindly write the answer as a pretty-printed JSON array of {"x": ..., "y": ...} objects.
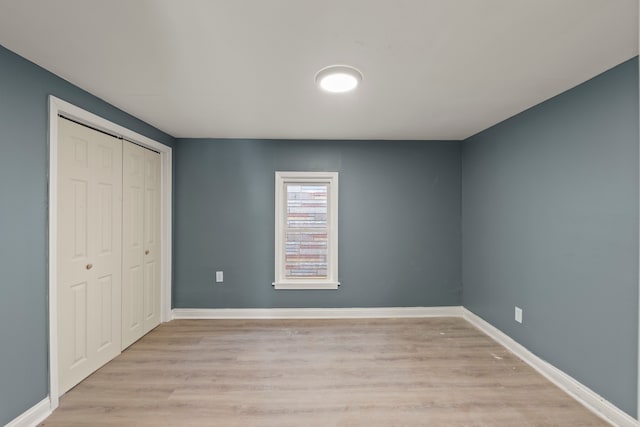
[
  {"x": 32, "y": 416},
  {"x": 583, "y": 394},
  {"x": 314, "y": 313}
]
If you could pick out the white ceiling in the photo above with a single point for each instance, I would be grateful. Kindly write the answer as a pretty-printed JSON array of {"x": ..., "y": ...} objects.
[{"x": 433, "y": 69}]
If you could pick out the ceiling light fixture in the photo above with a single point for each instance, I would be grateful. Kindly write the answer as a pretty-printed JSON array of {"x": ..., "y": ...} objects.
[{"x": 338, "y": 78}]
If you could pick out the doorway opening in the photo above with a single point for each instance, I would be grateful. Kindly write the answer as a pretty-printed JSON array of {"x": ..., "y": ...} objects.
[{"x": 59, "y": 107}]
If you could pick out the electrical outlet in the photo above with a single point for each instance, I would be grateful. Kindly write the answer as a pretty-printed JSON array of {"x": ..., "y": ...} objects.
[
  {"x": 518, "y": 315},
  {"x": 219, "y": 276}
]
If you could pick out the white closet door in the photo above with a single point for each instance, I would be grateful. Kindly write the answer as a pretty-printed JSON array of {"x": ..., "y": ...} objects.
[
  {"x": 141, "y": 246},
  {"x": 89, "y": 251},
  {"x": 132, "y": 243},
  {"x": 151, "y": 240}
]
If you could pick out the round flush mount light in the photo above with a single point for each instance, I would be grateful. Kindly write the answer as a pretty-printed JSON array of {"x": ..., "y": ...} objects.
[{"x": 338, "y": 78}]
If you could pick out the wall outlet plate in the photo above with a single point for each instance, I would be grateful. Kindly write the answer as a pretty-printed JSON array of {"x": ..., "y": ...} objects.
[
  {"x": 518, "y": 315},
  {"x": 219, "y": 276}
]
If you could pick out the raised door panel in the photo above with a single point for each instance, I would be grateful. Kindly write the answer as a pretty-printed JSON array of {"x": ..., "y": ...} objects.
[
  {"x": 141, "y": 245},
  {"x": 152, "y": 241},
  {"x": 133, "y": 243},
  {"x": 89, "y": 251},
  {"x": 107, "y": 246}
]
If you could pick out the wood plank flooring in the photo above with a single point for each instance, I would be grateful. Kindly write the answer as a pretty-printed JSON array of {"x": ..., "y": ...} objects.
[{"x": 363, "y": 372}]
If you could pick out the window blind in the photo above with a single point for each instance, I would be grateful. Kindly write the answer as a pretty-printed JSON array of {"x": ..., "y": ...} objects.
[{"x": 306, "y": 231}]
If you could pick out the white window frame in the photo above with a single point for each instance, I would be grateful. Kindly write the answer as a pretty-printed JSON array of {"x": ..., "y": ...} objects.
[{"x": 282, "y": 179}]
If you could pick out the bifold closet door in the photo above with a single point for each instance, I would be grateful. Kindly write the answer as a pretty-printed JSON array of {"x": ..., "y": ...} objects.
[
  {"x": 141, "y": 242},
  {"x": 151, "y": 240},
  {"x": 89, "y": 252}
]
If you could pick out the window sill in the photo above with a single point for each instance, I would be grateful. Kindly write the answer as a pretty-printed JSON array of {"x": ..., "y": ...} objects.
[{"x": 306, "y": 285}]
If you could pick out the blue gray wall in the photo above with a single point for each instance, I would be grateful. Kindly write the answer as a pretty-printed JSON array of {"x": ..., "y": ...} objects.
[
  {"x": 24, "y": 88},
  {"x": 399, "y": 222},
  {"x": 550, "y": 224}
]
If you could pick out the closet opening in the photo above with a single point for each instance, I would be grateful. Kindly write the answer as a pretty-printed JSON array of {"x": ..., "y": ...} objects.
[{"x": 58, "y": 110}]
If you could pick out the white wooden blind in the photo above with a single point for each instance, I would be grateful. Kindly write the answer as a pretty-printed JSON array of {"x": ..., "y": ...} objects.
[{"x": 306, "y": 231}]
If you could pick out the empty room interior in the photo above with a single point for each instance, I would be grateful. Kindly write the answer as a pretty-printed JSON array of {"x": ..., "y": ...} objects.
[{"x": 292, "y": 213}]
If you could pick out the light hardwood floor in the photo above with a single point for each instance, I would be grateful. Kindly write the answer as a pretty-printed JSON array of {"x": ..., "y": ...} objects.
[{"x": 365, "y": 372}]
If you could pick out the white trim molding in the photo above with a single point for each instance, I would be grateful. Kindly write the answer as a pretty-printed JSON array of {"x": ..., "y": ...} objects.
[
  {"x": 59, "y": 107},
  {"x": 32, "y": 416},
  {"x": 583, "y": 394},
  {"x": 315, "y": 313},
  {"x": 302, "y": 285}
]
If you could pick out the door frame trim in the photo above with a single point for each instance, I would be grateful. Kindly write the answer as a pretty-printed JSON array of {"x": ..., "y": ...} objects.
[{"x": 59, "y": 107}]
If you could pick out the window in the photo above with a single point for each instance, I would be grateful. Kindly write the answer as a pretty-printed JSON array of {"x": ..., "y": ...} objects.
[{"x": 306, "y": 230}]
